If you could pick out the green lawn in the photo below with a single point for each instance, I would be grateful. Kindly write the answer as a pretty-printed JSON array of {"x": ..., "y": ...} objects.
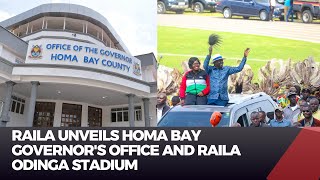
[{"x": 187, "y": 42}]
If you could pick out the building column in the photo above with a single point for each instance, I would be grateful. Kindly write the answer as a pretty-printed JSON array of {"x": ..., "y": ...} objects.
[
  {"x": 57, "y": 114},
  {"x": 6, "y": 106},
  {"x": 64, "y": 23},
  {"x": 84, "y": 116},
  {"x": 27, "y": 28},
  {"x": 32, "y": 103},
  {"x": 131, "y": 110},
  {"x": 43, "y": 22},
  {"x": 106, "y": 117},
  {"x": 146, "y": 111}
]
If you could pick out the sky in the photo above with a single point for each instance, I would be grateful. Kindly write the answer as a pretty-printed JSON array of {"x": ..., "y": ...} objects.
[{"x": 133, "y": 20}]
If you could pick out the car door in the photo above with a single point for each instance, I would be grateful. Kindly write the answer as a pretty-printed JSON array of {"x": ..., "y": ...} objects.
[
  {"x": 236, "y": 6},
  {"x": 259, "y": 5},
  {"x": 248, "y": 8}
]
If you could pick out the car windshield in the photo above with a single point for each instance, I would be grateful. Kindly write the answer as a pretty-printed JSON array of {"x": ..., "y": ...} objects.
[{"x": 192, "y": 119}]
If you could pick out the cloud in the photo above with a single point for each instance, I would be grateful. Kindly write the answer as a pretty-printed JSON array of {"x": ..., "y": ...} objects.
[
  {"x": 4, "y": 15},
  {"x": 134, "y": 21},
  {"x": 139, "y": 36}
]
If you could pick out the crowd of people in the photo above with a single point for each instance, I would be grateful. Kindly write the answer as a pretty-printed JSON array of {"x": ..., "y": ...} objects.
[
  {"x": 302, "y": 111},
  {"x": 209, "y": 86}
]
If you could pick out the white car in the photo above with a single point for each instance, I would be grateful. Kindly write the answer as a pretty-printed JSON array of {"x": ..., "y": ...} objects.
[{"x": 238, "y": 110}]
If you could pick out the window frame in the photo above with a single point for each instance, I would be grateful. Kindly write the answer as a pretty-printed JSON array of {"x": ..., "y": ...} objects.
[
  {"x": 98, "y": 116},
  {"x": 45, "y": 113},
  {"x": 71, "y": 118},
  {"x": 17, "y": 101},
  {"x": 125, "y": 110}
]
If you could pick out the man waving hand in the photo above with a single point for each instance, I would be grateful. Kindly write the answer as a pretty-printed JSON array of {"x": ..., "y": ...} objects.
[{"x": 219, "y": 77}]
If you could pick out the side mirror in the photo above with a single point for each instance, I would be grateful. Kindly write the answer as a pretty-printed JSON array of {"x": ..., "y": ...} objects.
[{"x": 215, "y": 118}]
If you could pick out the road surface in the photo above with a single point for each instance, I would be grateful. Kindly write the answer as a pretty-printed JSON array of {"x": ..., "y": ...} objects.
[{"x": 295, "y": 30}]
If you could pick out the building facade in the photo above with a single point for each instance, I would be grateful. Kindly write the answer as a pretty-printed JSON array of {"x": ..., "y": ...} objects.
[{"x": 64, "y": 65}]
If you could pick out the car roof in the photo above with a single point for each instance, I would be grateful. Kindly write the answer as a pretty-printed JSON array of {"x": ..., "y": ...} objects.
[
  {"x": 240, "y": 98},
  {"x": 234, "y": 99},
  {"x": 199, "y": 108}
]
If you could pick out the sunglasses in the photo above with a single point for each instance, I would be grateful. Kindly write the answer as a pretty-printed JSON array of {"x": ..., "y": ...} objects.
[{"x": 306, "y": 111}]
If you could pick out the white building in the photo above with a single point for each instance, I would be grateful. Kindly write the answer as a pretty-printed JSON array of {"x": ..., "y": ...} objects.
[{"x": 64, "y": 65}]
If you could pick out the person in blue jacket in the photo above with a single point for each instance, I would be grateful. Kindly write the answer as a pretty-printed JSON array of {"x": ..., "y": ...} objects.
[
  {"x": 289, "y": 6},
  {"x": 219, "y": 74}
]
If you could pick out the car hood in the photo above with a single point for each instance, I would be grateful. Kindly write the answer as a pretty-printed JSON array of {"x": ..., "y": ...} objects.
[{"x": 280, "y": 6}]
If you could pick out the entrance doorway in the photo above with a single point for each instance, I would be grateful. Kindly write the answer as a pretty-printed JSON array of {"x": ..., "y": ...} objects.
[
  {"x": 94, "y": 117},
  {"x": 71, "y": 115},
  {"x": 44, "y": 114}
]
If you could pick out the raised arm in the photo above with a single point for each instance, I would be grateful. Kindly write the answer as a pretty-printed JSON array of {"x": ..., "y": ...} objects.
[
  {"x": 233, "y": 70},
  {"x": 206, "y": 66}
]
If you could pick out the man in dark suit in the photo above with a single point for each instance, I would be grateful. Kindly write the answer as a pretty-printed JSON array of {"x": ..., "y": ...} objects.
[{"x": 162, "y": 106}]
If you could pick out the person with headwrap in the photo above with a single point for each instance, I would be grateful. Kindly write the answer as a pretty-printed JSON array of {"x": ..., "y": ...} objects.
[{"x": 195, "y": 85}]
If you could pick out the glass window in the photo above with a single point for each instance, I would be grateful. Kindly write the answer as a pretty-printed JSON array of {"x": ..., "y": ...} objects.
[
  {"x": 72, "y": 114},
  {"x": 44, "y": 114},
  {"x": 17, "y": 105},
  {"x": 18, "y": 108},
  {"x": 119, "y": 116},
  {"x": 94, "y": 117},
  {"x": 13, "y": 106},
  {"x": 138, "y": 115},
  {"x": 243, "y": 121},
  {"x": 122, "y": 114},
  {"x": 113, "y": 117},
  {"x": 126, "y": 115}
]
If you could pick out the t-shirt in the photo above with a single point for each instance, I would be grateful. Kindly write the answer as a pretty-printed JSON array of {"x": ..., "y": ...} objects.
[
  {"x": 273, "y": 2},
  {"x": 287, "y": 3},
  {"x": 282, "y": 123},
  {"x": 290, "y": 112},
  {"x": 159, "y": 113}
]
